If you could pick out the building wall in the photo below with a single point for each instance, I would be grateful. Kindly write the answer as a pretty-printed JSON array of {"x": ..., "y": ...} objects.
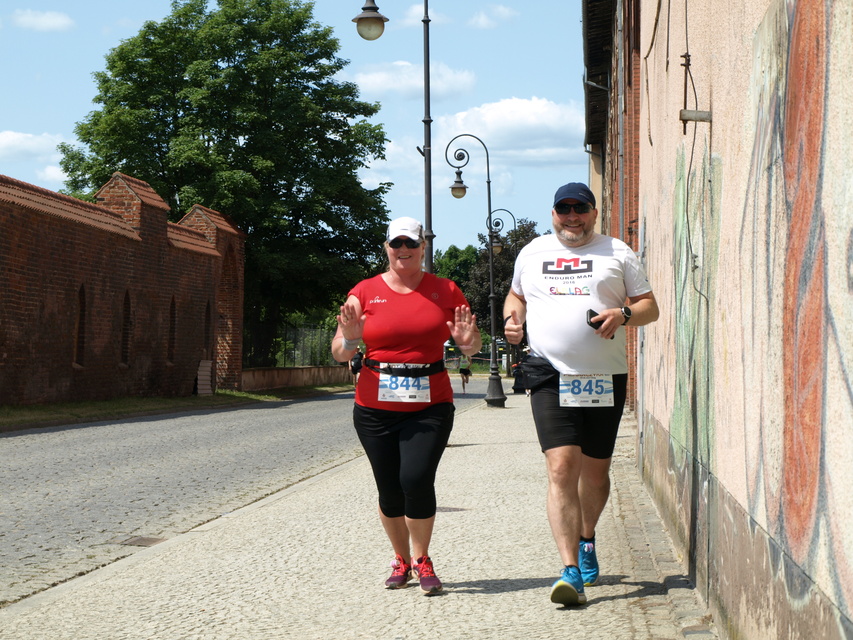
[
  {"x": 619, "y": 182},
  {"x": 280, "y": 377},
  {"x": 100, "y": 301},
  {"x": 746, "y": 434}
]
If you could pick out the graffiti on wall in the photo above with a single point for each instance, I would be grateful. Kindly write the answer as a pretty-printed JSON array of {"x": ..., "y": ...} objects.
[
  {"x": 797, "y": 375},
  {"x": 696, "y": 246}
]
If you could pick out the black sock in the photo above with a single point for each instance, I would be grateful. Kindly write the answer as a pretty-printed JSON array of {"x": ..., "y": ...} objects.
[{"x": 592, "y": 539}]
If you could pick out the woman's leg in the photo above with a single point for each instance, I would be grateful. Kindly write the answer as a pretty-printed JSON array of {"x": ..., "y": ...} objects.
[
  {"x": 397, "y": 531},
  {"x": 383, "y": 452},
  {"x": 422, "y": 443},
  {"x": 404, "y": 465},
  {"x": 420, "y": 532}
]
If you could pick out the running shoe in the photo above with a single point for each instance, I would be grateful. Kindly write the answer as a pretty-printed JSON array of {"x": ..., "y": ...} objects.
[
  {"x": 588, "y": 562},
  {"x": 422, "y": 569},
  {"x": 400, "y": 575},
  {"x": 568, "y": 589}
]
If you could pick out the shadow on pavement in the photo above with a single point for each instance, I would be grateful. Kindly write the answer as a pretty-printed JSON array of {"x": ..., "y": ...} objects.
[{"x": 498, "y": 586}]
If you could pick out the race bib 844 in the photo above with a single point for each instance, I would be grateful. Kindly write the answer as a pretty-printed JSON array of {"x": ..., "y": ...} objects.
[{"x": 403, "y": 389}]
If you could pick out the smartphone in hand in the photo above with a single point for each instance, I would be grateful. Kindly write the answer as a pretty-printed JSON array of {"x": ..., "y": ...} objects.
[
  {"x": 595, "y": 325},
  {"x": 589, "y": 316}
]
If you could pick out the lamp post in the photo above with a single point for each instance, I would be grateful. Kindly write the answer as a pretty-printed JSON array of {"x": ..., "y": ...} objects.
[
  {"x": 495, "y": 396},
  {"x": 370, "y": 25},
  {"x": 496, "y": 225}
]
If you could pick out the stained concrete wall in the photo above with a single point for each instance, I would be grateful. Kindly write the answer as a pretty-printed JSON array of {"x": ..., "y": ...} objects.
[
  {"x": 747, "y": 416},
  {"x": 281, "y": 377}
]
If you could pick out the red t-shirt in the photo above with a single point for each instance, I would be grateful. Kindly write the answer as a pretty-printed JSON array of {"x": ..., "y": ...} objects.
[{"x": 406, "y": 327}]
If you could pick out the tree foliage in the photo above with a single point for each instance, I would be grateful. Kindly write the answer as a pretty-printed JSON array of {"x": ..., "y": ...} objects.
[
  {"x": 455, "y": 263},
  {"x": 469, "y": 268},
  {"x": 236, "y": 108}
]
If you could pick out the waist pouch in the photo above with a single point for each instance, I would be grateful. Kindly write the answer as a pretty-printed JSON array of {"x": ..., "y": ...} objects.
[
  {"x": 405, "y": 369},
  {"x": 536, "y": 371}
]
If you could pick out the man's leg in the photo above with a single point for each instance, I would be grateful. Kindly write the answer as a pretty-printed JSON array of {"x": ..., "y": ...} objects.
[
  {"x": 558, "y": 431},
  {"x": 565, "y": 515},
  {"x": 593, "y": 491}
]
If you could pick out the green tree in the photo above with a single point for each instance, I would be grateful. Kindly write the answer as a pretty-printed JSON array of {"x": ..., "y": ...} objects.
[
  {"x": 237, "y": 108},
  {"x": 476, "y": 286},
  {"x": 455, "y": 263}
]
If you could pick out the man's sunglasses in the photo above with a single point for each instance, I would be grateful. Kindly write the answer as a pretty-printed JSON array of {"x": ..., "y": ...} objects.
[
  {"x": 396, "y": 243},
  {"x": 579, "y": 207}
]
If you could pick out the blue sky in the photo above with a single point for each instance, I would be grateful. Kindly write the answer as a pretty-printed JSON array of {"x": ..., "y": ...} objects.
[{"x": 509, "y": 73}]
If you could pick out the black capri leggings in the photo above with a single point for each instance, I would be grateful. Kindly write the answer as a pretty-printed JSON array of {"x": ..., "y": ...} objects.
[{"x": 404, "y": 449}]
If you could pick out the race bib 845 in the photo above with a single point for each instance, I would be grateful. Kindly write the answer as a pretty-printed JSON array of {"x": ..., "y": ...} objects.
[{"x": 586, "y": 390}]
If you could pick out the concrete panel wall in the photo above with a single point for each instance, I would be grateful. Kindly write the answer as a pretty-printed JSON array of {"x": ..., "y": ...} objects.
[
  {"x": 281, "y": 377},
  {"x": 747, "y": 431}
]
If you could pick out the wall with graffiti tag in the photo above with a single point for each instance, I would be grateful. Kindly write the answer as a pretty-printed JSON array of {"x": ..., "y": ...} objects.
[{"x": 747, "y": 390}]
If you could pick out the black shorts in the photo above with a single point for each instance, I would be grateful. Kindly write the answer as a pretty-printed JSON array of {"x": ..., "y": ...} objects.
[{"x": 593, "y": 429}]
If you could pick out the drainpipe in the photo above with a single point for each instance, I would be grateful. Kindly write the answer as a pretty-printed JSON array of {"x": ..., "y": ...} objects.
[
  {"x": 620, "y": 104},
  {"x": 641, "y": 361}
]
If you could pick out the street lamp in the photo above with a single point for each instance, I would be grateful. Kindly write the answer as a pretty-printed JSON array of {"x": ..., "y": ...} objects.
[
  {"x": 496, "y": 225},
  {"x": 370, "y": 25},
  {"x": 495, "y": 396}
]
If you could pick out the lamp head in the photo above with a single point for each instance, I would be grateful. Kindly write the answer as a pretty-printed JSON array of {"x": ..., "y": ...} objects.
[
  {"x": 458, "y": 189},
  {"x": 495, "y": 241},
  {"x": 370, "y": 23}
]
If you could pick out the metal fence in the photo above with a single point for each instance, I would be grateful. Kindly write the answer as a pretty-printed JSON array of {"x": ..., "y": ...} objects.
[
  {"x": 311, "y": 346},
  {"x": 306, "y": 346}
]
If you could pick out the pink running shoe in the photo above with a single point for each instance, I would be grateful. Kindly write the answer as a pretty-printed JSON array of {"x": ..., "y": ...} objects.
[
  {"x": 400, "y": 575},
  {"x": 422, "y": 570}
]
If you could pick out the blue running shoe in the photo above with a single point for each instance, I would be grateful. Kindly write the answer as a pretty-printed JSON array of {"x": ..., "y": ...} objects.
[
  {"x": 588, "y": 563},
  {"x": 568, "y": 590}
]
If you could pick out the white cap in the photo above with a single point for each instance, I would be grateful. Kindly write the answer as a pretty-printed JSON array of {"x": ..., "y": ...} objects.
[{"x": 408, "y": 227}]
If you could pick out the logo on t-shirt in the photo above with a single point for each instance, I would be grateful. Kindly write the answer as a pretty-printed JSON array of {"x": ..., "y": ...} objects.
[
  {"x": 569, "y": 290},
  {"x": 377, "y": 300},
  {"x": 565, "y": 266}
]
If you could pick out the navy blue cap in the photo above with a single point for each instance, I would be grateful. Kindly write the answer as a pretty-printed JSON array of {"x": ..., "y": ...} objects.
[{"x": 576, "y": 191}]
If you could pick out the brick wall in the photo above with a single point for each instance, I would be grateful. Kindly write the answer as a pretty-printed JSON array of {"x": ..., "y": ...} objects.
[
  {"x": 621, "y": 172},
  {"x": 108, "y": 300}
]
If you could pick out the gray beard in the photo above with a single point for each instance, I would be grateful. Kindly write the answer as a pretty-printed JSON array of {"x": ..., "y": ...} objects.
[{"x": 572, "y": 240}]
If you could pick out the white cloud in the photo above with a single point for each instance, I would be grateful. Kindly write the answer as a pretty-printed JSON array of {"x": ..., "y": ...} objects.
[
  {"x": 518, "y": 131},
  {"x": 414, "y": 17},
  {"x": 51, "y": 174},
  {"x": 27, "y": 147},
  {"x": 403, "y": 165},
  {"x": 533, "y": 144},
  {"x": 42, "y": 20},
  {"x": 494, "y": 15},
  {"x": 407, "y": 79}
]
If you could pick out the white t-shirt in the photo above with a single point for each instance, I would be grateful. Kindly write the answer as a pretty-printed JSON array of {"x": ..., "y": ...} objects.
[{"x": 560, "y": 284}]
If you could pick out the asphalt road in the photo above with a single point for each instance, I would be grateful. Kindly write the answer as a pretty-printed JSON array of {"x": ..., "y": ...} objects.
[{"x": 79, "y": 497}]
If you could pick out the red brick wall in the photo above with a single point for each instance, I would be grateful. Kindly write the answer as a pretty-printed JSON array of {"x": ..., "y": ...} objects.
[
  {"x": 52, "y": 246},
  {"x": 621, "y": 173}
]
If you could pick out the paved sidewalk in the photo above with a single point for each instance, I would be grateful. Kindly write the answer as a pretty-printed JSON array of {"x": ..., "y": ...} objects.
[{"x": 309, "y": 562}]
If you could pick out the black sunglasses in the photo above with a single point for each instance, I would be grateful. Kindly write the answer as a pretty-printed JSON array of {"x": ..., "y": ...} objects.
[
  {"x": 396, "y": 243},
  {"x": 579, "y": 207}
]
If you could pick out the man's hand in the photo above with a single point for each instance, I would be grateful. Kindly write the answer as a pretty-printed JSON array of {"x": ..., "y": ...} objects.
[
  {"x": 514, "y": 329},
  {"x": 612, "y": 319}
]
